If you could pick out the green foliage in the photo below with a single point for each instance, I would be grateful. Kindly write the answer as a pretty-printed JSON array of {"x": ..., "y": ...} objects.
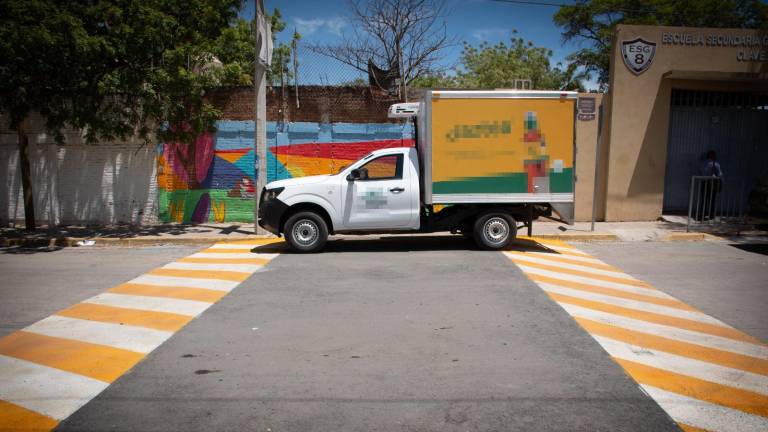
[
  {"x": 117, "y": 69},
  {"x": 594, "y": 21},
  {"x": 498, "y": 66},
  {"x": 281, "y": 69}
]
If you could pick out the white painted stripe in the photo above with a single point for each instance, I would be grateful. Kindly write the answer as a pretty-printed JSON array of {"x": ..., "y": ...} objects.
[
  {"x": 704, "y": 415},
  {"x": 243, "y": 268},
  {"x": 590, "y": 281},
  {"x": 155, "y": 304},
  {"x": 634, "y": 304},
  {"x": 623, "y": 288},
  {"x": 52, "y": 392},
  {"x": 552, "y": 263},
  {"x": 685, "y": 366},
  {"x": 234, "y": 246},
  {"x": 214, "y": 284},
  {"x": 683, "y": 335},
  {"x": 212, "y": 254},
  {"x": 138, "y": 339},
  {"x": 564, "y": 249},
  {"x": 556, "y": 255}
]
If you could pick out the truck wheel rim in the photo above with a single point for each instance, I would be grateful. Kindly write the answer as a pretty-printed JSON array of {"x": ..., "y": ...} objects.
[
  {"x": 305, "y": 232},
  {"x": 496, "y": 230}
]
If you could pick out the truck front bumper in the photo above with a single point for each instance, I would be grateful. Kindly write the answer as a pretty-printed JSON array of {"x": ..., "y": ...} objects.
[{"x": 271, "y": 213}]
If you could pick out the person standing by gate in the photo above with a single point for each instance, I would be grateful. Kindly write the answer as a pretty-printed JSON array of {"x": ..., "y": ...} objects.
[{"x": 710, "y": 187}]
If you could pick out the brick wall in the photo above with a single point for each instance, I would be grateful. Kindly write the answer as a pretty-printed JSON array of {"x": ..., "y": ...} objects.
[{"x": 316, "y": 104}]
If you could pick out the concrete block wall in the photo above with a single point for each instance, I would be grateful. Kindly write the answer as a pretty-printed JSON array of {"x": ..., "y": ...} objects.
[{"x": 109, "y": 183}]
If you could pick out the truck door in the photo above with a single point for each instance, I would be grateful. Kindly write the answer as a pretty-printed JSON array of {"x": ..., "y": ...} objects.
[{"x": 382, "y": 198}]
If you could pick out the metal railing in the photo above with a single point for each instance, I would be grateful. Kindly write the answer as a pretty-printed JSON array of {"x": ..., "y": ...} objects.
[{"x": 712, "y": 200}]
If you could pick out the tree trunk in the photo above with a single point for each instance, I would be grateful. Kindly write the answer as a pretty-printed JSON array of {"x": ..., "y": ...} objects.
[{"x": 26, "y": 179}]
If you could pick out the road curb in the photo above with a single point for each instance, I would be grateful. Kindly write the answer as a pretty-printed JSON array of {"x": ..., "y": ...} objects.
[
  {"x": 606, "y": 237},
  {"x": 687, "y": 236},
  {"x": 120, "y": 242}
]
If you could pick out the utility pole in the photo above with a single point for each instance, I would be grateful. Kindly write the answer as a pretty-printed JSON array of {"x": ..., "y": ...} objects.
[{"x": 263, "y": 58}]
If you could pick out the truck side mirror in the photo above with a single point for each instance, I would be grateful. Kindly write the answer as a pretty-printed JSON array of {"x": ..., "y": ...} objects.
[{"x": 354, "y": 175}]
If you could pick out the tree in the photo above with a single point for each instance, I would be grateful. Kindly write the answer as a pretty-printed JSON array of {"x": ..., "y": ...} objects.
[
  {"x": 594, "y": 21},
  {"x": 116, "y": 69},
  {"x": 406, "y": 35},
  {"x": 498, "y": 66}
]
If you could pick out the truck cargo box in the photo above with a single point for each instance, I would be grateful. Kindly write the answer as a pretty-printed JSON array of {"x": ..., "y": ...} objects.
[{"x": 497, "y": 146}]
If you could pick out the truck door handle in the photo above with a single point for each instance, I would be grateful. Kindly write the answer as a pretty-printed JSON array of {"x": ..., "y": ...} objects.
[{"x": 397, "y": 190}]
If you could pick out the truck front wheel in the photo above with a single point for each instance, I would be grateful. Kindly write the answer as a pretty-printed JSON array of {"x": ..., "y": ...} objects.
[
  {"x": 306, "y": 232},
  {"x": 494, "y": 230}
]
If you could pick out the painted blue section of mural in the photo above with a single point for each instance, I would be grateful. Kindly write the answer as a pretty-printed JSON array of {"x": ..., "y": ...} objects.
[{"x": 234, "y": 134}]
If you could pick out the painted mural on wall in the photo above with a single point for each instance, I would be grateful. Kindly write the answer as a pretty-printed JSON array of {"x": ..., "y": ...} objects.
[{"x": 214, "y": 179}]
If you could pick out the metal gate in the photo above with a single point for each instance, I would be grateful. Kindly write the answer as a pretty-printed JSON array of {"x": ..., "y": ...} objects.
[{"x": 735, "y": 125}]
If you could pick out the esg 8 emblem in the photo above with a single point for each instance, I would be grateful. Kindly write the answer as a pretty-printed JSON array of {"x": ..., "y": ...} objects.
[{"x": 638, "y": 54}]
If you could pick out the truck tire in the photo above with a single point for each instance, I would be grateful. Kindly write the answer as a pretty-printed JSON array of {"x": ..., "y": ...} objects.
[
  {"x": 306, "y": 232},
  {"x": 494, "y": 230}
]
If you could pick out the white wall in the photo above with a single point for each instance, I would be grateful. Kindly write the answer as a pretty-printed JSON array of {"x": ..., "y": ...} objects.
[{"x": 110, "y": 183}]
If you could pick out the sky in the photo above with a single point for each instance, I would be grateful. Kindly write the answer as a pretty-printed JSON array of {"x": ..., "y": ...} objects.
[{"x": 474, "y": 21}]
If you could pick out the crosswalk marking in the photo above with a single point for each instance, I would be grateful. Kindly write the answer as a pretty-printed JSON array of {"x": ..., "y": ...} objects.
[
  {"x": 243, "y": 268},
  {"x": 95, "y": 361},
  {"x": 705, "y": 374},
  {"x": 214, "y": 284},
  {"x": 704, "y": 415},
  {"x": 183, "y": 293},
  {"x": 207, "y": 275},
  {"x": 127, "y": 337},
  {"x": 120, "y": 315},
  {"x": 639, "y": 306},
  {"x": 685, "y": 365},
  {"x": 54, "y": 366},
  {"x": 641, "y": 294},
  {"x": 18, "y": 418},
  {"x": 49, "y": 391}
]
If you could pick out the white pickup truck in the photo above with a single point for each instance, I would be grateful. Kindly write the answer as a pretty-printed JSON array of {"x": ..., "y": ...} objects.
[{"x": 485, "y": 164}]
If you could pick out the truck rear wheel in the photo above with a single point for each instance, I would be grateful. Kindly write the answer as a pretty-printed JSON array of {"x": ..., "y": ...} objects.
[
  {"x": 494, "y": 230},
  {"x": 306, "y": 232}
]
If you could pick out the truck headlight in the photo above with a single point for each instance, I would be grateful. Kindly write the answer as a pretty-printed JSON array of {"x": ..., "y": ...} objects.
[{"x": 270, "y": 194}]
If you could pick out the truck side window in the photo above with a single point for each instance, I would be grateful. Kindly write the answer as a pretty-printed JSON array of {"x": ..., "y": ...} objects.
[{"x": 388, "y": 167}]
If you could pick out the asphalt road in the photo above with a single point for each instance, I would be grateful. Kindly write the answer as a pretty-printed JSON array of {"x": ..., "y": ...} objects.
[
  {"x": 406, "y": 334},
  {"x": 37, "y": 282},
  {"x": 727, "y": 280}
]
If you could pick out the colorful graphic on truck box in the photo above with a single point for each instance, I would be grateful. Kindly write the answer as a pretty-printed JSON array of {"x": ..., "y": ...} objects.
[{"x": 511, "y": 146}]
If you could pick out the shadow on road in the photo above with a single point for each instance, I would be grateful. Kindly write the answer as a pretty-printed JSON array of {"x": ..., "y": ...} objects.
[
  {"x": 405, "y": 243},
  {"x": 758, "y": 248}
]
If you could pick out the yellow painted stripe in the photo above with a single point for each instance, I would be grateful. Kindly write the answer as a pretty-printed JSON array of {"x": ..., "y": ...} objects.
[
  {"x": 633, "y": 282},
  {"x": 16, "y": 418},
  {"x": 557, "y": 258},
  {"x": 743, "y": 400},
  {"x": 683, "y": 323},
  {"x": 225, "y": 260},
  {"x": 546, "y": 241},
  {"x": 672, "y": 346},
  {"x": 689, "y": 428},
  {"x": 202, "y": 274},
  {"x": 96, "y": 361},
  {"x": 135, "y": 317},
  {"x": 613, "y": 292},
  {"x": 184, "y": 293},
  {"x": 225, "y": 251}
]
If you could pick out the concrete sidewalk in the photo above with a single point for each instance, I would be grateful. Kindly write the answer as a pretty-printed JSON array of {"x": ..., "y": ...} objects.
[{"x": 210, "y": 233}]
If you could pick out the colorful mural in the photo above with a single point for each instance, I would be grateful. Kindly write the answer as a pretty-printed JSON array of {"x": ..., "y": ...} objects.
[{"x": 214, "y": 179}]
